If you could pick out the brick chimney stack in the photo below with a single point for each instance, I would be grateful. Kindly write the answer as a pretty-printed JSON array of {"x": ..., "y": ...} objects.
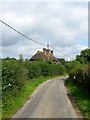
[
  {"x": 44, "y": 50},
  {"x": 47, "y": 51}
]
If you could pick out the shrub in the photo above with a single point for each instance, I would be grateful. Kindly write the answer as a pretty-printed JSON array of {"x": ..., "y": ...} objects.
[
  {"x": 33, "y": 69},
  {"x": 80, "y": 75},
  {"x": 45, "y": 70},
  {"x": 16, "y": 72},
  {"x": 14, "y": 75}
]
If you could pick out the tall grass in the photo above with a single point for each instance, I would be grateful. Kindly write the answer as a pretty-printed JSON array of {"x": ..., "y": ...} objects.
[{"x": 81, "y": 96}]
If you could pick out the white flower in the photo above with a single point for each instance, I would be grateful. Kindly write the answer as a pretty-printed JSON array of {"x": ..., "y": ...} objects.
[{"x": 9, "y": 84}]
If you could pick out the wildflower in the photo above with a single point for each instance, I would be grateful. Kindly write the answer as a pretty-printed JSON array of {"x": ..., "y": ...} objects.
[{"x": 9, "y": 84}]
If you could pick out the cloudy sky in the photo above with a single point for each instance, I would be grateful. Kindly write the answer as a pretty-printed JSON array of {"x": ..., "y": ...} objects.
[{"x": 63, "y": 25}]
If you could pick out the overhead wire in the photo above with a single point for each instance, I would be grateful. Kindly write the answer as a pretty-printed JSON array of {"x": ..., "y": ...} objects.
[
  {"x": 21, "y": 33},
  {"x": 32, "y": 39},
  {"x": 61, "y": 53}
]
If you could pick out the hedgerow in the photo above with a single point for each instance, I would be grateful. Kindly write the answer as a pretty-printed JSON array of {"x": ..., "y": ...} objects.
[
  {"x": 79, "y": 69},
  {"x": 79, "y": 75},
  {"x": 15, "y": 72}
]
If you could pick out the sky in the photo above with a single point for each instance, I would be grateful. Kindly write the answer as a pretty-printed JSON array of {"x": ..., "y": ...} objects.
[{"x": 62, "y": 25}]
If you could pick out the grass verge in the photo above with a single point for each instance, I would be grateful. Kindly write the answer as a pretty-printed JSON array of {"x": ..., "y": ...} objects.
[
  {"x": 82, "y": 98},
  {"x": 15, "y": 103}
]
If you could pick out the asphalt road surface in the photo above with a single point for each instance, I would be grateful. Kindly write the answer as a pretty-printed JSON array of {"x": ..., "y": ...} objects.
[{"x": 50, "y": 100}]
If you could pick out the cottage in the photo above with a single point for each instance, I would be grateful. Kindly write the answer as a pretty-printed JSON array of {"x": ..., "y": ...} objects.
[{"x": 45, "y": 55}]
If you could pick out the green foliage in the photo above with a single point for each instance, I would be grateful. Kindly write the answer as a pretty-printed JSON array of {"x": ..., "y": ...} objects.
[
  {"x": 51, "y": 69},
  {"x": 15, "y": 73},
  {"x": 83, "y": 57},
  {"x": 62, "y": 61},
  {"x": 79, "y": 75},
  {"x": 78, "y": 69},
  {"x": 33, "y": 69},
  {"x": 71, "y": 64}
]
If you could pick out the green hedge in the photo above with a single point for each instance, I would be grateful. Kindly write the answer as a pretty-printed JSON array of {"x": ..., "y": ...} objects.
[
  {"x": 80, "y": 75},
  {"x": 15, "y": 73}
]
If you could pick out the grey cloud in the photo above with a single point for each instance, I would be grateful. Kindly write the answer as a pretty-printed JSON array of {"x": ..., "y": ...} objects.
[{"x": 56, "y": 24}]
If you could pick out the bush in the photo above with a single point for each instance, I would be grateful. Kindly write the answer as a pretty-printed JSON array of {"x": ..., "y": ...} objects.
[
  {"x": 45, "y": 69},
  {"x": 80, "y": 75},
  {"x": 15, "y": 73},
  {"x": 33, "y": 70}
]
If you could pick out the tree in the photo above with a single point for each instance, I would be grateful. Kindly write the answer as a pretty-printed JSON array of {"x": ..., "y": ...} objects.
[
  {"x": 21, "y": 57},
  {"x": 84, "y": 56},
  {"x": 62, "y": 61}
]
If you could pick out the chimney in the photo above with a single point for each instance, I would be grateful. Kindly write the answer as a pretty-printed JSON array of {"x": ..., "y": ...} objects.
[
  {"x": 47, "y": 46},
  {"x": 52, "y": 52},
  {"x": 47, "y": 51},
  {"x": 44, "y": 50}
]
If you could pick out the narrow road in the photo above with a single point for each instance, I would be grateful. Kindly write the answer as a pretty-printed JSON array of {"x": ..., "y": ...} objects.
[{"x": 50, "y": 100}]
